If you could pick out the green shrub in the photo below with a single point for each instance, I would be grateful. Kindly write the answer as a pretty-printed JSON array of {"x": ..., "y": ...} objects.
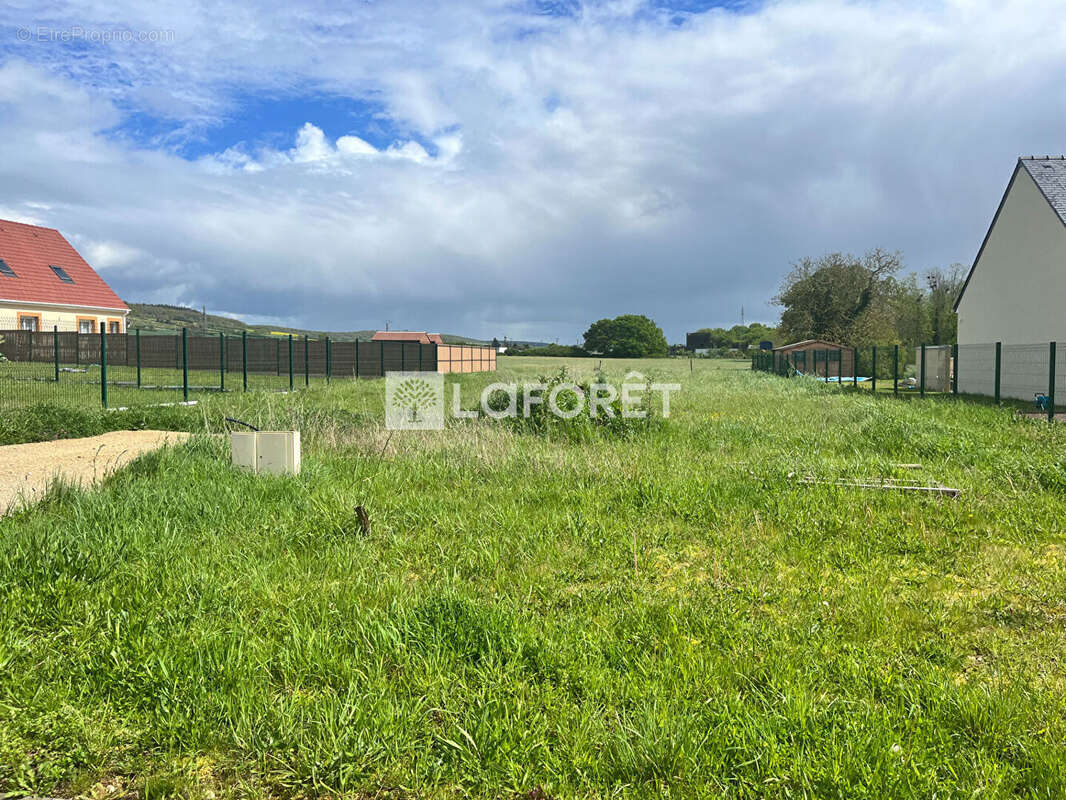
[{"x": 538, "y": 417}]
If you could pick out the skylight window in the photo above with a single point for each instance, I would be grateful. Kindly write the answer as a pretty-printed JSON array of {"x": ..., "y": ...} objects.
[
  {"x": 61, "y": 274},
  {"x": 6, "y": 271}
]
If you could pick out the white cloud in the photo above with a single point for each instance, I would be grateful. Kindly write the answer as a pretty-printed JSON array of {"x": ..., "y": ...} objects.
[
  {"x": 572, "y": 168},
  {"x": 104, "y": 255}
]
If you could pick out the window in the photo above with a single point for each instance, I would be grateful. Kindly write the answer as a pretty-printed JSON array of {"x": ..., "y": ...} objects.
[
  {"x": 114, "y": 326},
  {"x": 6, "y": 271},
  {"x": 29, "y": 322},
  {"x": 86, "y": 325},
  {"x": 61, "y": 274}
]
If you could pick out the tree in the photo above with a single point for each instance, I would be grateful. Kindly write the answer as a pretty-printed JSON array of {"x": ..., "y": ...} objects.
[
  {"x": 740, "y": 336},
  {"x": 944, "y": 286},
  {"x": 840, "y": 297},
  {"x": 627, "y": 336}
]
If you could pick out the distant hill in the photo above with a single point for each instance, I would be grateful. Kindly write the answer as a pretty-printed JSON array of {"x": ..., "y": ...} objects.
[{"x": 150, "y": 316}]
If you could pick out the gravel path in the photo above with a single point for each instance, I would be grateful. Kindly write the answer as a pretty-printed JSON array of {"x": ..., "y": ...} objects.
[{"x": 27, "y": 469}]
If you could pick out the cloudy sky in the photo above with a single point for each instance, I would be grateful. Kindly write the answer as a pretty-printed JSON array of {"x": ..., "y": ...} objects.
[{"x": 515, "y": 168}]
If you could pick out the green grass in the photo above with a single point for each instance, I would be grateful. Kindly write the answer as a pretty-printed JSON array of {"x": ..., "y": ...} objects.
[{"x": 666, "y": 615}]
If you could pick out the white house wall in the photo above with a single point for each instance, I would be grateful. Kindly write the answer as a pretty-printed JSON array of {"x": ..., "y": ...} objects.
[
  {"x": 1024, "y": 370},
  {"x": 1017, "y": 292}
]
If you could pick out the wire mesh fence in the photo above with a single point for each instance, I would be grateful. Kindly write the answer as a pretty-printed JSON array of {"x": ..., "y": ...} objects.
[
  {"x": 1029, "y": 373},
  {"x": 139, "y": 368}
]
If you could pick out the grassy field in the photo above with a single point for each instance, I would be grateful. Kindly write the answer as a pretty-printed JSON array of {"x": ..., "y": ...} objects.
[{"x": 666, "y": 614}]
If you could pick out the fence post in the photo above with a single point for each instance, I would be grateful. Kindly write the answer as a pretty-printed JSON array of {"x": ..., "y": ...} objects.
[
  {"x": 420, "y": 357},
  {"x": 221, "y": 361},
  {"x": 403, "y": 356},
  {"x": 999, "y": 361},
  {"x": 137, "y": 337},
  {"x": 307, "y": 361},
  {"x": 921, "y": 382},
  {"x": 840, "y": 367},
  {"x": 185, "y": 363},
  {"x": 329, "y": 361},
  {"x": 292, "y": 384},
  {"x": 277, "y": 356},
  {"x": 382, "y": 357},
  {"x": 855, "y": 368},
  {"x": 955, "y": 368},
  {"x": 1051, "y": 383},
  {"x": 873, "y": 371},
  {"x": 55, "y": 349},
  {"x": 244, "y": 359},
  {"x": 103, "y": 365},
  {"x": 357, "y": 356},
  {"x": 895, "y": 370}
]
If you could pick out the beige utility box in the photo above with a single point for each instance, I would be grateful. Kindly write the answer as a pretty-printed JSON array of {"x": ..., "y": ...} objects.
[{"x": 272, "y": 452}]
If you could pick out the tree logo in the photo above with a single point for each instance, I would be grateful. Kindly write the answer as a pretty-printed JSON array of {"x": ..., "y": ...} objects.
[{"x": 414, "y": 401}]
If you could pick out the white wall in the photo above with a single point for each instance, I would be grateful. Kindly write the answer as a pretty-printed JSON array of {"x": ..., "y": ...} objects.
[
  {"x": 1024, "y": 370},
  {"x": 1017, "y": 292}
]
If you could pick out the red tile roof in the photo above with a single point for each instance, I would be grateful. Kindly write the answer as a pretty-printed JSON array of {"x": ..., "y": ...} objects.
[
  {"x": 30, "y": 251},
  {"x": 407, "y": 336}
]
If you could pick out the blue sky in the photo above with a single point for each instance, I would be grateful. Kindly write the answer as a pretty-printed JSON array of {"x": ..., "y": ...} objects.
[{"x": 520, "y": 169}]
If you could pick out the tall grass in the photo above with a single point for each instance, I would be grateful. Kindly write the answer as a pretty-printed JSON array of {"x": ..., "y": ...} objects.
[{"x": 667, "y": 614}]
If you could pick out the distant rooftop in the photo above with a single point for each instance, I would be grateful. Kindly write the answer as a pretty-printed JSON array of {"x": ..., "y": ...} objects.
[{"x": 420, "y": 337}]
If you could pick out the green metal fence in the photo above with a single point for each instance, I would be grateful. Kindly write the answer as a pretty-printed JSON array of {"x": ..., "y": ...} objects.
[
  {"x": 1028, "y": 371},
  {"x": 143, "y": 367}
]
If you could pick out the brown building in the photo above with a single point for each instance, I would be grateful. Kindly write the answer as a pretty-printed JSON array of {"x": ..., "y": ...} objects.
[
  {"x": 818, "y": 357},
  {"x": 419, "y": 337}
]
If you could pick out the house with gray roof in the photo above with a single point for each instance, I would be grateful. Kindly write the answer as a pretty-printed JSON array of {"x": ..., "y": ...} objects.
[{"x": 1016, "y": 290}]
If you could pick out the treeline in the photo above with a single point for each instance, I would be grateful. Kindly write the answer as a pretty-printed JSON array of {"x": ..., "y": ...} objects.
[
  {"x": 627, "y": 336},
  {"x": 738, "y": 337},
  {"x": 863, "y": 301}
]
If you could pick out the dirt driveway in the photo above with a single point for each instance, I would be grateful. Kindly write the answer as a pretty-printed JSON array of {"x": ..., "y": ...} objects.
[{"x": 27, "y": 469}]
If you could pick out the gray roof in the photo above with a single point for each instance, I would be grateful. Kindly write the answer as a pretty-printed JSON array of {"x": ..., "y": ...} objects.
[{"x": 1049, "y": 173}]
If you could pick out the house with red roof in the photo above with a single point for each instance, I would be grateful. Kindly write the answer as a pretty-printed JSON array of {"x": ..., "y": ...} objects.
[
  {"x": 46, "y": 284},
  {"x": 419, "y": 337}
]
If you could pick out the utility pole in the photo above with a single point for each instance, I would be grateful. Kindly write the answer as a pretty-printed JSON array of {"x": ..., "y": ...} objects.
[
  {"x": 204, "y": 319},
  {"x": 386, "y": 324},
  {"x": 742, "y": 315}
]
